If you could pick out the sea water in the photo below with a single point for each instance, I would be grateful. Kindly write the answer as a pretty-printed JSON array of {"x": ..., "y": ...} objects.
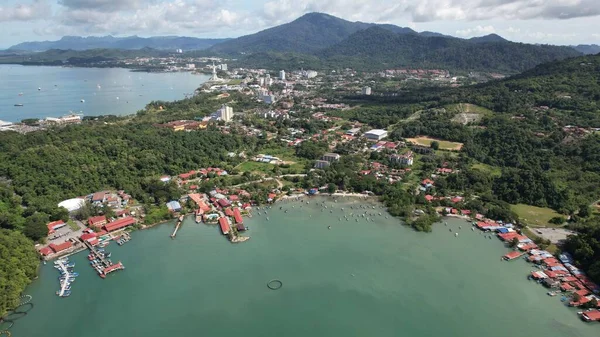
[
  {"x": 104, "y": 91},
  {"x": 371, "y": 277}
]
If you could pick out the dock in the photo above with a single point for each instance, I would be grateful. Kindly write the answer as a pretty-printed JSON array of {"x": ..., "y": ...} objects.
[
  {"x": 65, "y": 283},
  {"x": 102, "y": 265},
  {"x": 179, "y": 221}
]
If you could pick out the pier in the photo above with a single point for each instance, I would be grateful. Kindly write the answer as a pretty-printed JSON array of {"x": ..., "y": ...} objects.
[
  {"x": 179, "y": 221},
  {"x": 99, "y": 262},
  {"x": 64, "y": 283}
]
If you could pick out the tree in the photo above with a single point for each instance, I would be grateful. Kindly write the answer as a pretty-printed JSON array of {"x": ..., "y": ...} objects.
[
  {"x": 513, "y": 243},
  {"x": 35, "y": 226},
  {"x": 331, "y": 188},
  {"x": 557, "y": 220},
  {"x": 435, "y": 145},
  {"x": 584, "y": 211}
]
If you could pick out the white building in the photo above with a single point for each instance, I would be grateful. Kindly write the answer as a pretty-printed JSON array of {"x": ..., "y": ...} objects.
[
  {"x": 353, "y": 131},
  {"x": 214, "y": 77},
  {"x": 403, "y": 159},
  {"x": 376, "y": 134},
  {"x": 282, "y": 75},
  {"x": 225, "y": 113},
  {"x": 191, "y": 66},
  {"x": 366, "y": 91},
  {"x": 331, "y": 157},
  {"x": 222, "y": 66},
  {"x": 310, "y": 74}
]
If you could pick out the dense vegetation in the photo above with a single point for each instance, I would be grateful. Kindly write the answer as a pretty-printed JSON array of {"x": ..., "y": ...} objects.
[
  {"x": 18, "y": 267},
  {"x": 377, "y": 48}
]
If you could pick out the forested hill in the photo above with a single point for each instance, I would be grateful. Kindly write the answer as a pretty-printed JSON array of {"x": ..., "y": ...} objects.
[
  {"x": 309, "y": 33},
  {"x": 570, "y": 87},
  {"x": 376, "y": 48}
]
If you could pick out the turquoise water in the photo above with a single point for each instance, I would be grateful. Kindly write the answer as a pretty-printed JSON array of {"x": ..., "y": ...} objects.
[
  {"x": 357, "y": 279},
  {"x": 120, "y": 91}
]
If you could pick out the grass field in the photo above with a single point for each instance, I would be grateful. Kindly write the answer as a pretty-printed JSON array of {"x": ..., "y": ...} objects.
[
  {"x": 253, "y": 166},
  {"x": 535, "y": 216},
  {"x": 468, "y": 108},
  {"x": 491, "y": 170},
  {"x": 444, "y": 145},
  {"x": 73, "y": 225}
]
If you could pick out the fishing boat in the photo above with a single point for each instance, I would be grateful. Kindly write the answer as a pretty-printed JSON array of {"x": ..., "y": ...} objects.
[
  {"x": 82, "y": 100},
  {"x": 19, "y": 104}
]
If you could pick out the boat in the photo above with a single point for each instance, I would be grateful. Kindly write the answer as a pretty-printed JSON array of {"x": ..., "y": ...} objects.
[
  {"x": 551, "y": 293},
  {"x": 20, "y": 94},
  {"x": 19, "y": 104},
  {"x": 39, "y": 89},
  {"x": 107, "y": 254},
  {"x": 82, "y": 100}
]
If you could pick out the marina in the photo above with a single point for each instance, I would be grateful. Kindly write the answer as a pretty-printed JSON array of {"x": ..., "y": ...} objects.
[
  {"x": 67, "y": 276},
  {"x": 99, "y": 260}
]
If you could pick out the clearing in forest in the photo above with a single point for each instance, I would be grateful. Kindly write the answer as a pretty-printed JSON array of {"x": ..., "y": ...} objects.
[{"x": 444, "y": 145}]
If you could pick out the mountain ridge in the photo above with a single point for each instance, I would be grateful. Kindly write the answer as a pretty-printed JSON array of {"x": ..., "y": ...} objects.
[{"x": 110, "y": 42}]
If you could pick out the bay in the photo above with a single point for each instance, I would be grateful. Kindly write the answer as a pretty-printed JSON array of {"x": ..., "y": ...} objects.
[
  {"x": 360, "y": 278},
  {"x": 113, "y": 91}
]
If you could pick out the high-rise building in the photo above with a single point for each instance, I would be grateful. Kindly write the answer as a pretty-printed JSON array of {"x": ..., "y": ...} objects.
[
  {"x": 223, "y": 66},
  {"x": 282, "y": 75},
  {"x": 366, "y": 91},
  {"x": 225, "y": 113}
]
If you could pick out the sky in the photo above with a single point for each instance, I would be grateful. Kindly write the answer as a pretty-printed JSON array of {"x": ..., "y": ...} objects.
[{"x": 562, "y": 22}]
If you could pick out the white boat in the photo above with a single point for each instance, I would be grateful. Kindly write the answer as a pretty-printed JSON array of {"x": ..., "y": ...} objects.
[{"x": 82, "y": 100}]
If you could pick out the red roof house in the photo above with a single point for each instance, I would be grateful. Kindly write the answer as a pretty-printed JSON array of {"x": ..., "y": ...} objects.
[
  {"x": 60, "y": 247},
  {"x": 120, "y": 223},
  {"x": 224, "y": 225},
  {"x": 97, "y": 221},
  {"x": 52, "y": 226}
]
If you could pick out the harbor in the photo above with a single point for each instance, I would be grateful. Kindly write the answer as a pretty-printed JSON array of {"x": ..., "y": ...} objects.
[
  {"x": 367, "y": 275},
  {"x": 100, "y": 261}
]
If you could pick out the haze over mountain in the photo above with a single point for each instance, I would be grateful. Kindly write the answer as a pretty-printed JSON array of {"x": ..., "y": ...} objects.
[
  {"x": 587, "y": 48},
  {"x": 111, "y": 42}
]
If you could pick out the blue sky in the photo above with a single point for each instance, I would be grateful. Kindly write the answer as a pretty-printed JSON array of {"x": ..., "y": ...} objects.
[{"x": 532, "y": 21}]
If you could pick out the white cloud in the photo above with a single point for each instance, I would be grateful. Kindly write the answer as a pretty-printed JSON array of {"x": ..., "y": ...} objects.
[
  {"x": 37, "y": 9},
  {"x": 476, "y": 31}
]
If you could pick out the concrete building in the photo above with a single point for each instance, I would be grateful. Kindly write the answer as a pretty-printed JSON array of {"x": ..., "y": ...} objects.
[
  {"x": 366, "y": 91},
  {"x": 222, "y": 66},
  {"x": 310, "y": 74},
  {"x": 353, "y": 131},
  {"x": 191, "y": 66},
  {"x": 376, "y": 134},
  {"x": 282, "y": 75},
  {"x": 330, "y": 157},
  {"x": 225, "y": 113},
  {"x": 321, "y": 164},
  {"x": 403, "y": 159}
]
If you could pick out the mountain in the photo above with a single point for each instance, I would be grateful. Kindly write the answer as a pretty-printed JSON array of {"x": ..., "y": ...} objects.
[
  {"x": 587, "y": 49},
  {"x": 378, "y": 48},
  {"x": 111, "y": 42},
  {"x": 488, "y": 38},
  {"x": 309, "y": 33}
]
